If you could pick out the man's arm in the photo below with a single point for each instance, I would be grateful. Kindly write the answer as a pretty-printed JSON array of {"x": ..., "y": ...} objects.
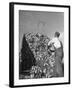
[{"x": 51, "y": 42}]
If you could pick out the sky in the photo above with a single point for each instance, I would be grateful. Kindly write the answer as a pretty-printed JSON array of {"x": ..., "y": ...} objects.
[{"x": 41, "y": 22}]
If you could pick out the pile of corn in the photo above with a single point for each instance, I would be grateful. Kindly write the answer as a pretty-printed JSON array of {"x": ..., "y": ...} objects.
[{"x": 45, "y": 60}]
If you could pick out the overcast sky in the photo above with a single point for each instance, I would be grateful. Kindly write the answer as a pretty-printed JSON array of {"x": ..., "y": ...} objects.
[{"x": 43, "y": 22}]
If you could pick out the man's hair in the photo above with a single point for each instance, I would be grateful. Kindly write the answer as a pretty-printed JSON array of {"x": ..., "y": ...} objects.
[{"x": 57, "y": 34}]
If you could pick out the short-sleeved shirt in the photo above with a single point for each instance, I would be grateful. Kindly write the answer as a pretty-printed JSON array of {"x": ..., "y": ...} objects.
[{"x": 55, "y": 41}]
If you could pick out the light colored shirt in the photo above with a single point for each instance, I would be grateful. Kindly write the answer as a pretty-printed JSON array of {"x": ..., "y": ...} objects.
[{"x": 55, "y": 41}]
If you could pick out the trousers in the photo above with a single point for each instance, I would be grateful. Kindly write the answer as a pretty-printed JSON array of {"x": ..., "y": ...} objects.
[{"x": 58, "y": 62}]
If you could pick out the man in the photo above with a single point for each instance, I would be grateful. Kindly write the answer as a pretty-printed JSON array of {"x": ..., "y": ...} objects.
[{"x": 58, "y": 69}]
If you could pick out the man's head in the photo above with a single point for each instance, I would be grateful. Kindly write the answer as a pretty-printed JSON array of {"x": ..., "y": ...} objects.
[{"x": 57, "y": 34}]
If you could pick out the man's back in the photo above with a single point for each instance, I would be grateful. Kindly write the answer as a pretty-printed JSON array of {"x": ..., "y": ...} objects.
[{"x": 55, "y": 41}]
